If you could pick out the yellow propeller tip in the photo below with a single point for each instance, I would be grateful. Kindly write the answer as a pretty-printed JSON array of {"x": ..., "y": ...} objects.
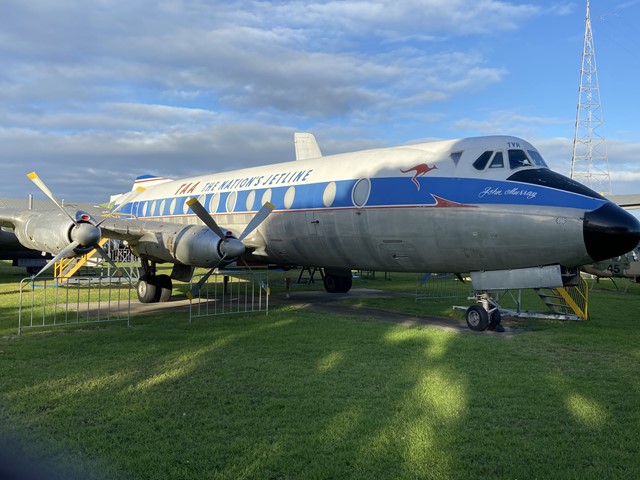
[
  {"x": 270, "y": 205},
  {"x": 32, "y": 175}
]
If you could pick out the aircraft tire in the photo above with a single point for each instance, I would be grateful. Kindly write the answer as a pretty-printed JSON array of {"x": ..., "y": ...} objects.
[
  {"x": 164, "y": 288},
  {"x": 477, "y": 318},
  {"x": 146, "y": 289},
  {"x": 331, "y": 283},
  {"x": 337, "y": 283},
  {"x": 347, "y": 282},
  {"x": 494, "y": 319}
]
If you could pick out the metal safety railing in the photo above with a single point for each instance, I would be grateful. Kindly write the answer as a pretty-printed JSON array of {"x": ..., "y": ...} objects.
[
  {"x": 437, "y": 286},
  {"x": 46, "y": 302},
  {"x": 228, "y": 292},
  {"x": 120, "y": 253}
]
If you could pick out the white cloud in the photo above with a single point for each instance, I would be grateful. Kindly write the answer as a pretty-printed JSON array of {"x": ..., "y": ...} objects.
[
  {"x": 109, "y": 90},
  {"x": 298, "y": 57}
]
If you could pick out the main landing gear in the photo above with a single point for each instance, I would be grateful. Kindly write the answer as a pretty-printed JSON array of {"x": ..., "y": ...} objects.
[
  {"x": 153, "y": 288},
  {"x": 484, "y": 316},
  {"x": 337, "y": 281}
]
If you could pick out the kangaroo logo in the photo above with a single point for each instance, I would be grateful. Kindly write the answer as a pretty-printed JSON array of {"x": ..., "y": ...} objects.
[{"x": 419, "y": 171}]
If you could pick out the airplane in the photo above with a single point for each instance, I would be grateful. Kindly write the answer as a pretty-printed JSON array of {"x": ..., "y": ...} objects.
[
  {"x": 622, "y": 266},
  {"x": 12, "y": 249},
  {"x": 485, "y": 205}
]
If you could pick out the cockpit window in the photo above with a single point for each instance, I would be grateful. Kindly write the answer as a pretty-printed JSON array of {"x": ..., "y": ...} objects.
[
  {"x": 482, "y": 160},
  {"x": 455, "y": 157},
  {"x": 517, "y": 159},
  {"x": 498, "y": 161},
  {"x": 537, "y": 158}
]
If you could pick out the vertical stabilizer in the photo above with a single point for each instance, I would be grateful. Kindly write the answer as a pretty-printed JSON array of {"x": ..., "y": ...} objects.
[
  {"x": 306, "y": 146},
  {"x": 148, "y": 181}
]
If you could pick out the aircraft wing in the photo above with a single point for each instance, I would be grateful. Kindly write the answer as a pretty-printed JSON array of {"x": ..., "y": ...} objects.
[
  {"x": 628, "y": 202},
  {"x": 70, "y": 232},
  {"x": 8, "y": 217},
  {"x": 132, "y": 230},
  {"x": 16, "y": 218},
  {"x": 46, "y": 228}
]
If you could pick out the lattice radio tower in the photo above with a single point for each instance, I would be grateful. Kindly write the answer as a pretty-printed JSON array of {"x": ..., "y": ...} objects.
[{"x": 590, "y": 163}]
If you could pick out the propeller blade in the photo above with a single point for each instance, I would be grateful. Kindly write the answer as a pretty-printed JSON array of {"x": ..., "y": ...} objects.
[
  {"x": 41, "y": 185},
  {"x": 106, "y": 256},
  {"x": 127, "y": 199},
  {"x": 203, "y": 215},
  {"x": 64, "y": 253},
  {"x": 195, "y": 290},
  {"x": 263, "y": 285},
  {"x": 425, "y": 278},
  {"x": 258, "y": 218}
]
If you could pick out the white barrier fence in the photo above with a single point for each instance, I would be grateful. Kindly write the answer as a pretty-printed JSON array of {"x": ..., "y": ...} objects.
[
  {"x": 47, "y": 302},
  {"x": 230, "y": 291}
]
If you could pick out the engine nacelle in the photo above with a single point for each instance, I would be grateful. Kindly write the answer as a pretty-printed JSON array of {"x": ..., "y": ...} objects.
[
  {"x": 191, "y": 245},
  {"x": 53, "y": 231},
  {"x": 196, "y": 246}
]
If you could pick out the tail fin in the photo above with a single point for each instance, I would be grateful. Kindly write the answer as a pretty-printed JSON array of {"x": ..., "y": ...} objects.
[
  {"x": 306, "y": 146},
  {"x": 148, "y": 181},
  {"x": 144, "y": 181}
]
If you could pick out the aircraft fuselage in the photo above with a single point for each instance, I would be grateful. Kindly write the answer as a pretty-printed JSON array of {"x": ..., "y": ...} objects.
[{"x": 487, "y": 203}]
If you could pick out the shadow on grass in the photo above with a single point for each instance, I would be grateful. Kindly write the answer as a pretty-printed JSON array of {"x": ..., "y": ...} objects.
[{"x": 300, "y": 394}]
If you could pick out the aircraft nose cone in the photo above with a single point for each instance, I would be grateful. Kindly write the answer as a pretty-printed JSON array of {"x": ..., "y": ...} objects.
[{"x": 610, "y": 231}]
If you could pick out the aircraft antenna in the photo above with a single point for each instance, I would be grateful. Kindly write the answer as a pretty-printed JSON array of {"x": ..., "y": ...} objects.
[{"x": 590, "y": 163}]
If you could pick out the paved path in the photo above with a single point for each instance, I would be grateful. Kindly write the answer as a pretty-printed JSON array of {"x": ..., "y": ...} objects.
[{"x": 334, "y": 303}]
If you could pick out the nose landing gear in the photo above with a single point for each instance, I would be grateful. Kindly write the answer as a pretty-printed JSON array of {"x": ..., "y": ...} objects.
[{"x": 484, "y": 316}]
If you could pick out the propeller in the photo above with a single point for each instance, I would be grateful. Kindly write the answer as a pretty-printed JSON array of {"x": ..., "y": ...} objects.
[
  {"x": 229, "y": 247},
  {"x": 85, "y": 234},
  {"x": 191, "y": 294}
]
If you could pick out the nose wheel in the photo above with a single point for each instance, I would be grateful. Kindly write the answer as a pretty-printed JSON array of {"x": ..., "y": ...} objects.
[
  {"x": 477, "y": 318},
  {"x": 484, "y": 316}
]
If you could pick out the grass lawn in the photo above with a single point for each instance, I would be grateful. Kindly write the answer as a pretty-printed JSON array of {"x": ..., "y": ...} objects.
[{"x": 298, "y": 394}]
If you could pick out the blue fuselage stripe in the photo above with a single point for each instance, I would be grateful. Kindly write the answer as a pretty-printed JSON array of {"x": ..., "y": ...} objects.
[{"x": 384, "y": 192}]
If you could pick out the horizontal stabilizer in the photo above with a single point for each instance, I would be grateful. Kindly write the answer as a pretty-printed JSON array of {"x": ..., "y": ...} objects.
[
  {"x": 628, "y": 202},
  {"x": 306, "y": 146}
]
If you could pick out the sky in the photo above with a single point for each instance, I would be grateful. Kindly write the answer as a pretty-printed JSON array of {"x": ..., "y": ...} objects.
[{"x": 94, "y": 93}]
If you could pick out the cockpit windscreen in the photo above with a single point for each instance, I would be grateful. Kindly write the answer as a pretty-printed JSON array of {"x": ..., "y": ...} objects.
[{"x": 517, "y": 159}]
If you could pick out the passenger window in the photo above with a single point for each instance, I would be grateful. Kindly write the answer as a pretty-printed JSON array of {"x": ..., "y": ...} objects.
[
  {"x": 498, "y": 161},
  {"x": 517, "y": 159},
  {"x": 482, "y": 160}
]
